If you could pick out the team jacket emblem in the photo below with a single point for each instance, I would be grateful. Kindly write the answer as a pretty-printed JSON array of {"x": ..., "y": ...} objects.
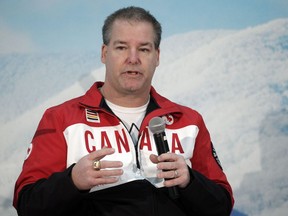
[
  {"x": 168, "y": 119},
  {"x": 92, "y": 116}
]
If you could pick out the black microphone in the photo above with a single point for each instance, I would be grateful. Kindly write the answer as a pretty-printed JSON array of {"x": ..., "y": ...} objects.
[{"x": 157, "y": 127}]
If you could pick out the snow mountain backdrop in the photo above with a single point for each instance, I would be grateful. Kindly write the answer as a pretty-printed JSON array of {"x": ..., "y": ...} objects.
[{"x": 237, "y": 79}]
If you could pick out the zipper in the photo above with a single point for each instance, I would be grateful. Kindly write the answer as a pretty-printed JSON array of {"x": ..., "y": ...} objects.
[{"x": 135, "y": 144}]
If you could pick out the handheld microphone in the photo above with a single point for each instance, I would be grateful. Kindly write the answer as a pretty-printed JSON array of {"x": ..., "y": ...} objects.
[{"x": 157, "y": 127}]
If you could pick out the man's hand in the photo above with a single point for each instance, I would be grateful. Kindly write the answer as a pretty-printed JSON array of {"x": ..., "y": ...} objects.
[
  {"x": 174, "y": 169},
  {"x": 85, "y": 177}
]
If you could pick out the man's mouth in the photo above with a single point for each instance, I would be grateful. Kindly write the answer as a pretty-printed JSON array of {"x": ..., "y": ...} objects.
[{"x": 132, "y": 72}]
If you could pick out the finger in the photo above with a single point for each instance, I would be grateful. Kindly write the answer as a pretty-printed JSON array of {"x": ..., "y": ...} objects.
[
  {"x": 168, "y": 174},
  {"x": 110, "y": 164},
  {"x": 154, "y": 158},
  {"x": 182, "y": 181},
  {"x": 167, "y": 165},
  {"x": 180, "y": 177},
  {"x": 107, "y": 173},
  {"x": 168, "y": 157},
  {"x": 105, "y": 177},
  {"x": 172, "y": 182},
  {"x": 99, "y": 154},
  {"x": 102, "y": 181}
]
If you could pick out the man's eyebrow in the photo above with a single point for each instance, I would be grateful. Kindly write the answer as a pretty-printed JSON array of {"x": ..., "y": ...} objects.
[
  {"x": 119, "y": 42},
  {"x": 147, "y": 44}
]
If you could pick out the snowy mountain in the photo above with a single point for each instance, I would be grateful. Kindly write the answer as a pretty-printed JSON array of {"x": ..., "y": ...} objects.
[
  {"x": 237, "y": 80},
  {"x": 28, "y": 80}
]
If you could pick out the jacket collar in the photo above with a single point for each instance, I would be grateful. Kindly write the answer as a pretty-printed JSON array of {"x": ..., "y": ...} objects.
[{"x": 93, "y": 99}]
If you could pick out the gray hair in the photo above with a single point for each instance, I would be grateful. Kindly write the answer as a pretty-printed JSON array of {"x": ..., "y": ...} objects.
[{"x": 131, "y": 14}]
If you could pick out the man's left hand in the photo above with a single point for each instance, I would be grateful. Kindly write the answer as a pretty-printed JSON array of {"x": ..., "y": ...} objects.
[{"x": 174, "y": 169}]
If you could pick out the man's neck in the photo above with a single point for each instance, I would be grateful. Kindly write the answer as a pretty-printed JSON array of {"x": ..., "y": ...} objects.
[{"x": 125, "y": 100}]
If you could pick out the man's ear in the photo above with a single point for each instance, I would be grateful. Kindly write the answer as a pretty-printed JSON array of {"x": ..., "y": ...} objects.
[
  {"x": 158, "y": 56},
  {"x": 103, "y": 53}
]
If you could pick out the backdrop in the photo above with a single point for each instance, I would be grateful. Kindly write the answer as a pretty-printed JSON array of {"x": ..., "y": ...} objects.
[{"x": 228, "y": 60}]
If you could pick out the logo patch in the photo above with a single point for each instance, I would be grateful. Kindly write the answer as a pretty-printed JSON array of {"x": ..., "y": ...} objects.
[
  {"x": 168, "y": 119},
  {"x": 216, "y": 156},
  {"x": 92, "y": 116}
]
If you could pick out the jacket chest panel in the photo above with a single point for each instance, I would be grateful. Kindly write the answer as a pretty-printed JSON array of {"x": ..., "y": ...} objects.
[{"x": 82, "y": 139}]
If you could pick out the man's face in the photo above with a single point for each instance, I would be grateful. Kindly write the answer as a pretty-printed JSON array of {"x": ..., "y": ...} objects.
[{"x": 130, "y": 57}]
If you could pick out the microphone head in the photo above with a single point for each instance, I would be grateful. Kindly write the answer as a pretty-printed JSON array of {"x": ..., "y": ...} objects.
[{"x": 157, "y": 125}]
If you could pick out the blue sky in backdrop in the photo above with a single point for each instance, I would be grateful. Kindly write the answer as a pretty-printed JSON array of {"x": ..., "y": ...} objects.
[{"x": 74, "y": 26}]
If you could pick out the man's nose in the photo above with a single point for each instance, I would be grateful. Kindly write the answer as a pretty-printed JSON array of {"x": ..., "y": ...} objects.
[{"x": 133, "y": 57}]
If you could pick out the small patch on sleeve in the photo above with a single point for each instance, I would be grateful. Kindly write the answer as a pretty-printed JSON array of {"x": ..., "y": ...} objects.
[{"x": 216, "y": 156}]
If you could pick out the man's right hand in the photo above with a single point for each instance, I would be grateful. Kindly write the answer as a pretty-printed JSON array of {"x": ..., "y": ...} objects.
[{"x": 85, "y": 177}]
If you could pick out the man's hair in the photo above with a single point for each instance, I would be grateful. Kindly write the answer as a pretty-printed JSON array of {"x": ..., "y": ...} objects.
[{"x": 135, "y": 14}]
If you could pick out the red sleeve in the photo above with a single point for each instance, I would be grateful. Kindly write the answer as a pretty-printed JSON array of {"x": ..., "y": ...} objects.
[
  {"x": 46, "y": 155},
  {"x": 205, "y": 160}
]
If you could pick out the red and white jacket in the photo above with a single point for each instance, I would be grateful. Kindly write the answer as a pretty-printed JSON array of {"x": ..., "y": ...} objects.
[{"x": 69, "y": 131}]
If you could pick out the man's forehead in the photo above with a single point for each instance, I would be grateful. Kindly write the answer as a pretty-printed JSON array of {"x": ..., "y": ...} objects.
[{"x": 119, "y": 26}]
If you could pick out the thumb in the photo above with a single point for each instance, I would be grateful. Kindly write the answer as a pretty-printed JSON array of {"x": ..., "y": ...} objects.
[{"x": 154, "y": 158}]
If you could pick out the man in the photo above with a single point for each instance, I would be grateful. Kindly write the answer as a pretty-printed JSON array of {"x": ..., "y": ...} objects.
[{"x": 95, "y": 155}]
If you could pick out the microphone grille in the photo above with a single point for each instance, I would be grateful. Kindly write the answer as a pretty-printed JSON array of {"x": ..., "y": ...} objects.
[{"x": 157, "y": 125}]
